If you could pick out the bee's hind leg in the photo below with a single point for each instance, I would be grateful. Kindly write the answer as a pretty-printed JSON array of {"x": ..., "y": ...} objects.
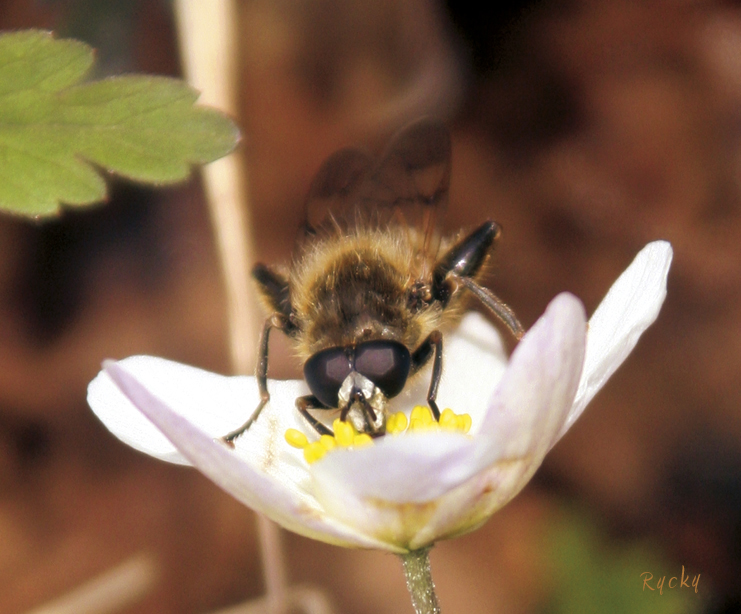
[
  {"x": 420, "y": 356},
  {"x": 261, "y": 374},
  {"x": 304, "y": 404}
]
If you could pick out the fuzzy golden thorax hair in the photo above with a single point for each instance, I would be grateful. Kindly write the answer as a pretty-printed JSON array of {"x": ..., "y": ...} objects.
[{"x": 358, "y": 287}]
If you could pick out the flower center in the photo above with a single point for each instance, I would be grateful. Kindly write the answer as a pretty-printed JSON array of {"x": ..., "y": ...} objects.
[{"x": 346, "y": 436}]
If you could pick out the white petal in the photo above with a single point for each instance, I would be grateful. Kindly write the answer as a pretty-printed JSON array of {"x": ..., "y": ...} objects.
[
  {"x": 629, "y": 308},
  {"x": 213, "y": 403},
  {"x": 250, "y": 484}
]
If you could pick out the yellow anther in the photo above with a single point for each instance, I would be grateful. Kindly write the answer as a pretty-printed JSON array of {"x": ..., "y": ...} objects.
[
  {"x": 391, "y": 424},
  {"x": 328, "y": 442},
  {"x": 448, "y": 420},
  {"x": 296, "y": 438},
  {"x": 362, "y": 440},
  {"x": 314, "y": 451},
  {"x": 401, "y": 422},
  {"x": 396, "y": 423},
  {"x": 421, "y": 420},
  {"x": 421, "y": 413},
  {"x": 464, "y": 423},
  {"x": 344, "y": 433},
  {"x": 419, "y": 425}
]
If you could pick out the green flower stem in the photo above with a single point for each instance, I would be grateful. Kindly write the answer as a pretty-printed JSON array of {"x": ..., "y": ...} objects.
[{"x": 419, "y": 581}]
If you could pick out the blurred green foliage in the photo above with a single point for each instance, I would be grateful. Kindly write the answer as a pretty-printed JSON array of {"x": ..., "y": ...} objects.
[{"x": 591, "y": 574}]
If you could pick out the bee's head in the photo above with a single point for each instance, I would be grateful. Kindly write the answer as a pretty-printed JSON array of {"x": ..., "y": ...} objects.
[{"x": 366, "y": 374}]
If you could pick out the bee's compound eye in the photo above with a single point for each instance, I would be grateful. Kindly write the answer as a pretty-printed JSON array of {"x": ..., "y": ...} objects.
[
  {"x": 324, "y": 373},
  {"x": 385, "y": 363}
]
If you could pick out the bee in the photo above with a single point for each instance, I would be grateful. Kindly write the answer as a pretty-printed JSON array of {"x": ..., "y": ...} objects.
[{"x": 374, "y": 285}]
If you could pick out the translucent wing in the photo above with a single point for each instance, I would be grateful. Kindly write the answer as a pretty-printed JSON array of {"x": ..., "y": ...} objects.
[
  {"x": 333, "y": 194},
  {"x": 410, "y": 184},
  {"x": 408, "y": 187}
]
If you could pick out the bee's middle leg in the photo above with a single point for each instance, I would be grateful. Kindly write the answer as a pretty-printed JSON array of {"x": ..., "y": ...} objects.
[{"x": 420, "y": 357}]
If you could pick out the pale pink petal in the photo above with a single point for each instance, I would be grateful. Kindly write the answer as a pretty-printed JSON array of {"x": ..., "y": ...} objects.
[
  {"x": 468, "y": 506},
  {"x": 527, "y": 410},
  {"x": 535, "y": 395},
  {"x": 412, "y": 467},
  {"x": 525, "y": 414},
  {"x": 290, "y": 507}
]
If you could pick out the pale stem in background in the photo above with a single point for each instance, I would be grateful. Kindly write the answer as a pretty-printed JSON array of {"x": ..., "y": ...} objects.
[
  {"x": 209, "y": 52},
  {"x": 111, "y": 591}
]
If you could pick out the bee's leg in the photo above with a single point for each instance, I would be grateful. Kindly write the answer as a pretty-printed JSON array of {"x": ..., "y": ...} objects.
[
  {"x": 304, "y": 404},
  {"x": 494, "y": 304},
  {"x": 433, "y": 343},
  {"x": 261, "y": 373}
]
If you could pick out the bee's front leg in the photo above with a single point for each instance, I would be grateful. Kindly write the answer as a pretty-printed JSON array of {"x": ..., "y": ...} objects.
[
  {"x": 304, "y": 404},
  {"x": 261, "y": 373},
  {"x": 420, "y": 356}
]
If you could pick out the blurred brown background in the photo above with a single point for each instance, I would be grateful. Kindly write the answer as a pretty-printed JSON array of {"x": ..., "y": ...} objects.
[{"x": 587, "y": 128}]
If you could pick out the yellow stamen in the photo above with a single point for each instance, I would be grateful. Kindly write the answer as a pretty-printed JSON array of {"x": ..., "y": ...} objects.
[
  {"x": 328, "y": 442},
  {"x": 448, "y": 420},
  {"x": 344, "y": 433},
  {"x": 422, "y": 425},
  {"x": 421, "y": 413},
  {"x": 314, "y": 451},
  {"x": 396, "y": 423},
  {"x": 464, "y": 423},
  {"x": 296, "y": 438},
  {"x": 391, "y": 424},
  {"x": 362, "y": 440}
]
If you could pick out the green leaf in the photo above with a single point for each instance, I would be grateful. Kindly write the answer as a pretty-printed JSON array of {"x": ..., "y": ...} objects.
[{"x": 54, "y": 131}]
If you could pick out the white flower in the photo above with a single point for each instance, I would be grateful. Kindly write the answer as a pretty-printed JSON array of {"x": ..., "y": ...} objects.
[{"x": 405, "y": 491}]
